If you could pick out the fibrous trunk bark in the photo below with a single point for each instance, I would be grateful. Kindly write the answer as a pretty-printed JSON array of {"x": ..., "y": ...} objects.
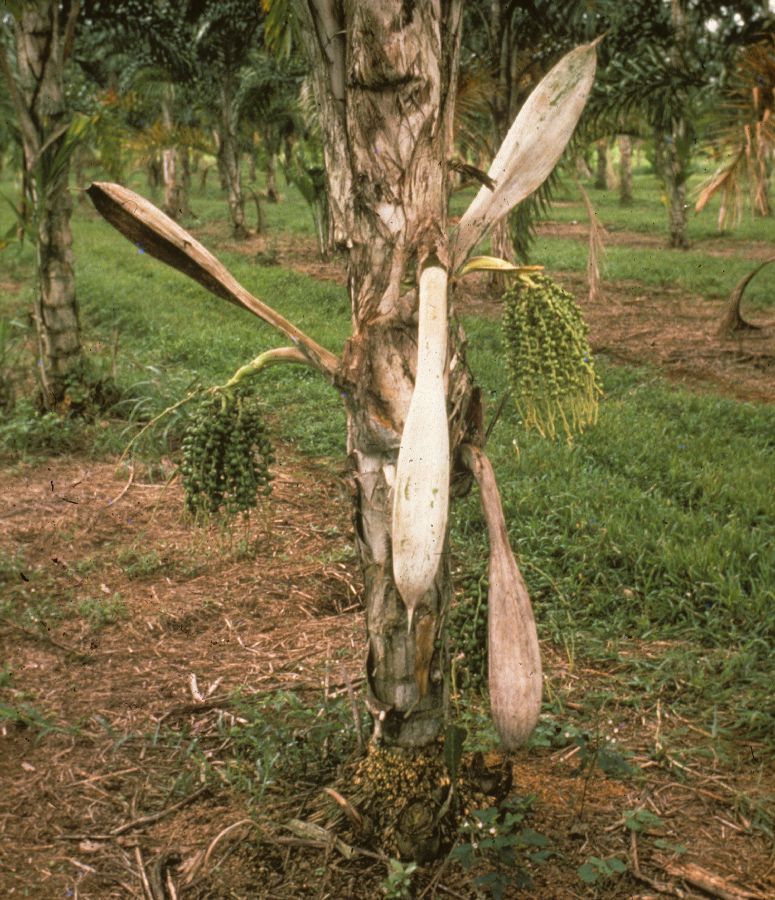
[
  {"x": 625, "y": 169},
  {"x": 229, "y": 149},
  {"x": 384, "y": 78},
  {"x": 44, "y": 34}
]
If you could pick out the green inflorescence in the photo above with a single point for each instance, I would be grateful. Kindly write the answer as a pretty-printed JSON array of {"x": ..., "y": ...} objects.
[
  {"x": 549, "y": 362},
  {"x": 226, "y": 454}
]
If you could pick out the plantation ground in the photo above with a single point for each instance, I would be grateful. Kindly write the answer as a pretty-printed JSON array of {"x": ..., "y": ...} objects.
[{"x": 648, "y": 548}]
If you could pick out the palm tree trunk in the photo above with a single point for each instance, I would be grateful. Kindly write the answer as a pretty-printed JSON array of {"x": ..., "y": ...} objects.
[
  {"x": 601, "y": 172},
  {"x": 675, "y": 185},
  {"x": 386, "y": 165},
  {"x": 503, "y": 112},
  {"x": 230, "y": 155},
  {"x": 175, "y": 195},
  {"x": 625, "y": 170},
  {"x": 676, "y": 161},
  {"x": 270, "y": 171},
  {"x": 43, "y": 42}
]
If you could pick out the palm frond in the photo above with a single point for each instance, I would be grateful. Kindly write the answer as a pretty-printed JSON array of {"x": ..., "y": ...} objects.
[{"x": 744, "y": 135}]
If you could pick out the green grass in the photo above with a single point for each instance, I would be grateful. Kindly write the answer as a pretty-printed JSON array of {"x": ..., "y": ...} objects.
[
  {"x": 173, "y": 334},
  {"x": 658, "y": 524},
  {"x": 697, "y": 271},
  {"x": 694, "y": 271}
]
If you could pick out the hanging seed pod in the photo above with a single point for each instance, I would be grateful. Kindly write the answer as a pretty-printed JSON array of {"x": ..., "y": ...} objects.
[
  {"x": 226, "y": 454},
  {"x": 513, "y": 654},
  {"x": 548, "y": 358},
  {"x": 421, "y": 489}
]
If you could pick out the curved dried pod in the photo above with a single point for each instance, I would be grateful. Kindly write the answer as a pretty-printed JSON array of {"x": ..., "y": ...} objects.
[
  {"x": 155, "y": 233},
  {"x": 421, "y": 488},
  {"x": 532, "y": 146},
  {"x": 514, "y": 657}
]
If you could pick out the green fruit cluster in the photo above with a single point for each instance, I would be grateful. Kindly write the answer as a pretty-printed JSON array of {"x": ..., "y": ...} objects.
[
  {"x": 226, "y": 454},
  {"x": 548, "y": 358}
]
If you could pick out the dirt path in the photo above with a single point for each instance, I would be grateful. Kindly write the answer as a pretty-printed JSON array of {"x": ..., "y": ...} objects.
[{"x": 260, "y": 612}]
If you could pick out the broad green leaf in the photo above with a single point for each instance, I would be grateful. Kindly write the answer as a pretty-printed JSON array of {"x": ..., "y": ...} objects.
[
  {"x": 454, "y": 737},
  {"x": 533, "y": 838},
  {"x": 664, "y": 844},
  {"x": 588, "y": 874},
  {"x": 641, "y": 819},
  {"x": 532, "y": 146}
]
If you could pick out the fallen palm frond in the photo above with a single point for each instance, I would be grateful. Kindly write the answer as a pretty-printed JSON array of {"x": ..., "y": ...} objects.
[
  {"x": 725, "y": 183},
  {"x": 732, "y": 320}
]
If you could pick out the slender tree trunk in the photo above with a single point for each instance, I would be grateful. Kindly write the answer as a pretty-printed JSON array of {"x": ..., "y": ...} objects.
[
  {"x": 185, "y": 176},
  {"x": 762, "y": 171},
  {"x": 229, "y": 148},
  {"x": 501, "y": 245},
  {"x": 153, "y": 173},
  {"x": 175, "y": 194},
  {"x": 43, "y": 41},
  {"x": 169, "y": 169},
  {"x": 79, "y": 171},
  {"x": 582, "y": 168},
  {"x": 219, "y": 159},
  {"x": 601, "y": 172},
  {"x": 270, "y": 169},
  {"x": 675, "y": 185},
  {"x": 252, "y": 165},
  {"x": 503, "y": 112},
  {"x": 384, "y": 127},
  {"x": 625, "y": 170},
  {"x": 677, "y": 151}
]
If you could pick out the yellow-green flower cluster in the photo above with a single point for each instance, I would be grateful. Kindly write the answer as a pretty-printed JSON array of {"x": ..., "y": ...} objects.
[{"x": 548, "y": 358}]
